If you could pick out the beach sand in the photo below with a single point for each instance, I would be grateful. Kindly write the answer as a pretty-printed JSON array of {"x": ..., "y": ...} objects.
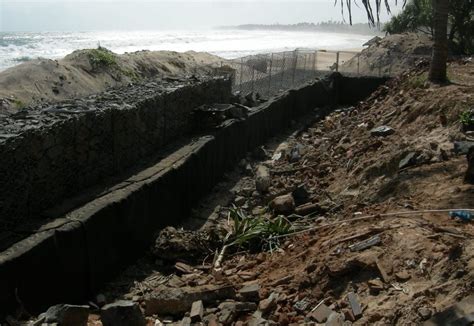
[{"x": 86, "y": 72}]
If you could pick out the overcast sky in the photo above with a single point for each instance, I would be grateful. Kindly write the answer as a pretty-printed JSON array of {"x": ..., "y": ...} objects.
[{"x": 59, "y": 15}]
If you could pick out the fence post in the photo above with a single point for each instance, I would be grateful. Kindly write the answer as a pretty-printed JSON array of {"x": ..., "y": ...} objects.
[
  {"x": 337, "y": 61},
  {"x": 253, "y": 79},
  {"x": 358, "y": 64},
  {"x": 295, "y": 62},
  {"x": 283, "y": 70},
  {"x": 314, "y": 61},
  {"x": 270, "y": 75},
  {"x": 304, "y": 67},
  {"x": 241, "y": 73}
]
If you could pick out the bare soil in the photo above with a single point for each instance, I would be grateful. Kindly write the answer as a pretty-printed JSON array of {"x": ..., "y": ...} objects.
[{"x": 423, "y": 263}]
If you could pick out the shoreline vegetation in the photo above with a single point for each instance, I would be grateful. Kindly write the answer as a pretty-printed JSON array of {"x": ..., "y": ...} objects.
[{"x": 329, "y": 27}]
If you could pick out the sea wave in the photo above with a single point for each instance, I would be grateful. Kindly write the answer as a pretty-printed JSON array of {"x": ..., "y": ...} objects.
[{"x": 22, "y": 46}]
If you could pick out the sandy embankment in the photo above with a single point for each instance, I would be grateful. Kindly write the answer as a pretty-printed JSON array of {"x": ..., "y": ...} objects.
[{"x": 86, "y": 72}]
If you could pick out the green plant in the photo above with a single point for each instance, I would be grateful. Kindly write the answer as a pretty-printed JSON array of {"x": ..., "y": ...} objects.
[
  {"x": 256, "y": 232},
  {"x": 418, "y": 81},
  {"x": 18, "y": 104},
  {"x": 467, "y": 117},
  {"x": 102, "y": 58}
]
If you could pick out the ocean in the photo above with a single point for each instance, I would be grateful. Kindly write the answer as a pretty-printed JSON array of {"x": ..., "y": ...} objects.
[{"x": 18, "y": 47}]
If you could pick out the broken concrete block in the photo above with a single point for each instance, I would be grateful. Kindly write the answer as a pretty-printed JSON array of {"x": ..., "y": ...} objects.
[
  {"x": 250, "y": 292},
  {"x": 283, "y": 204},
  {"x": 175, "y": 301},
  {"x": 122, "y": 313},
  {"x": 321, "y": 313},
  {"x": 354, "y": 304},
  {"x": 263, "y": 180},
  {"x": 197, "y": 311},
  {"x": 335, "y": 319}
]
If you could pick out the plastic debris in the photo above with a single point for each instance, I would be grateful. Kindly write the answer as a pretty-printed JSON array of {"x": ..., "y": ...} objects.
[{"x": 464, "y": 216}]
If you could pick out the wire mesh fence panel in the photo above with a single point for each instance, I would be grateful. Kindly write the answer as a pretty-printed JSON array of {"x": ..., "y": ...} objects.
[{"x": 269, "y": 74}]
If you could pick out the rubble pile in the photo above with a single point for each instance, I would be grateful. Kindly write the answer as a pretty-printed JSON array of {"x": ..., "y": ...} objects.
[{"x": 352, "y": 217}]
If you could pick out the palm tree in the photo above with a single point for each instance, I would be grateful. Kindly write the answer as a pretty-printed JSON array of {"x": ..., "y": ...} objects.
[{"x": 440, "y": 47}]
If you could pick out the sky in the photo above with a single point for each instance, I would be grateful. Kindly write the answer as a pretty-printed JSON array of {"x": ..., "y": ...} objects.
[{"x": 89, "y": 15}]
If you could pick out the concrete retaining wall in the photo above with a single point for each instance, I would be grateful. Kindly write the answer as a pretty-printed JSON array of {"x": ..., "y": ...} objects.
[
  {"x": 72, "y": 259},
  {"x": 52, "y": 153}
]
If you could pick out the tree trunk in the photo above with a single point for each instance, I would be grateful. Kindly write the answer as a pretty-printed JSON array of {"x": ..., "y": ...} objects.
[{"x": 440, "y": 47}]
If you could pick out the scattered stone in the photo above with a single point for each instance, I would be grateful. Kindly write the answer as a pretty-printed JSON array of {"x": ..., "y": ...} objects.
[
  {"x": 263, "y": 180},
  {"x": 67, "y": 315},
  {"x": 308, "y": 208},
  {"x": 172, "y": 244},
  {"x": 321, "y": 313},
  {"x": 301, "y": 305},
  {"x": 122, "y": 313},
  {"x": 408, "y": 160},
  {"x": 184, "y": 268},
  {"x": 425, "y": 313},
  {"x": 354, "y": 304},
  {"x": 402, "y": 276},
  {"x": 382, "y": 271},
  {"x": 239, "y": 200},
  {"x": 197, "y": 311},
  {"x": 250, "y": 292},
  {"x": 462, "y": 147},
  {"x": 174, "y": 301},
  {"x": 382, "y": 131},
  {"x": 335, "y": 319},
  {"x": 348, "y": 315},
  {"x": 238, "y": 306},
  {"x": 375, "y": 286},
  {"x": 296, "y": 153},
  {"x": 268, "y": 304},
  {"x": 366, "y": 243},
  {"x": 283, "y": 204},
  {"x": 186, "y": 321}
]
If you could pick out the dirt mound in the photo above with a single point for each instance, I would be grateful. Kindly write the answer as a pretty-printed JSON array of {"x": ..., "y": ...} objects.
[
  {"x": 86, "y": 72},
  {"x": 391, "y": 55}
]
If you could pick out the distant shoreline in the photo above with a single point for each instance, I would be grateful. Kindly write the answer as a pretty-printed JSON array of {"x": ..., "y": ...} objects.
[{"x": 329, "y": 27}]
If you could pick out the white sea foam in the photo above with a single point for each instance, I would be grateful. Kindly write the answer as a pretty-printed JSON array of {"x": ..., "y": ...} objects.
[{"x": 19, "y": 47}]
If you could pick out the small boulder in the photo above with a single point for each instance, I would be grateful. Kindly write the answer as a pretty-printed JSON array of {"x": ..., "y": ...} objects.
[
  {"x": 382, "y": 131},
  {"x": 122, "y": 313},
  {"x": 408, "y": 160},
  {"x": 283, "y": 204},
  {"x": 250, "y": 292},
  {"x": 268, "y": 304},
  {"x": 263, "y": 180},
  {"x": 67, "y": 315},
  {"x": 197, "y": 311}
]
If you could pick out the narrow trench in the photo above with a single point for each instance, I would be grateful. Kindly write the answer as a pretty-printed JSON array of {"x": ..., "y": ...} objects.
[{"x": 209, "y": 211}]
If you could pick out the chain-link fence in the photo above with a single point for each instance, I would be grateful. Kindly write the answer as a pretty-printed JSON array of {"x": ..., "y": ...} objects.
[{"x": 268, "y": 74}]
